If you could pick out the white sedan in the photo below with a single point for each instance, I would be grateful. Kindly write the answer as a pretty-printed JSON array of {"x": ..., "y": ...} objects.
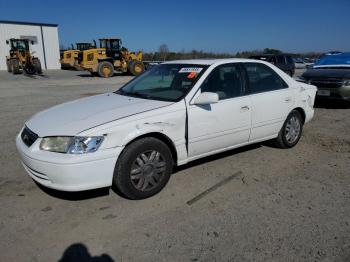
[{"x": 174, "y": 113}]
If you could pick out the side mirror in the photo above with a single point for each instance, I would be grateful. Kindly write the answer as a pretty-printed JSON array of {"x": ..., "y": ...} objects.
[
  {"x": 7, "y": 42},
  {"x": 206, "y": 98},
  {"x": 32, "y": 42}
]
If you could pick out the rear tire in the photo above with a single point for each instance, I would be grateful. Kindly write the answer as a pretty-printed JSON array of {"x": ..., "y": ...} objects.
[
  {"x": 37, "y": 66},
  {"x": 136, "y": 67},
  {"x": 291, "y": 131},
  {"x": 105, "y": 69},
  {"x": 143, "y": 169}
]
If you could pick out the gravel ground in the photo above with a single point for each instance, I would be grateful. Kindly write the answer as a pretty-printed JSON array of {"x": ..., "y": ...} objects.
[{"x": 274, "y": 205}]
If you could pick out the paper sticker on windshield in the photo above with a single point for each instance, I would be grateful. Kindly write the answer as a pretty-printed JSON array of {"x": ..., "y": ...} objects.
[
  {"x": 195, "y": 70},
  {"x": 191, "y": 75}
]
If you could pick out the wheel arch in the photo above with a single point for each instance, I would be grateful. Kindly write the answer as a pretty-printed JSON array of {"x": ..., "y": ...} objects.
[
  {"x": 301, "y": 112},
  {"x": 105, "y": 60},
  {"x": 162, "y": 137}
]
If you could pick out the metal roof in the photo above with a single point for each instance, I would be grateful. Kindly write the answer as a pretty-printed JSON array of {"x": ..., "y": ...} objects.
[{"x": 26, "y": 23}]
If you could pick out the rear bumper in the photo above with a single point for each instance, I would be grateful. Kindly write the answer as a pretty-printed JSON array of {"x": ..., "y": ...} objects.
[{"x": 68, "y": 172}]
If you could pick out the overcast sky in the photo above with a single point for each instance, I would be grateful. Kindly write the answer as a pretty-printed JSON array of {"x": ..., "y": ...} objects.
[{"x": 219, "y": 26}]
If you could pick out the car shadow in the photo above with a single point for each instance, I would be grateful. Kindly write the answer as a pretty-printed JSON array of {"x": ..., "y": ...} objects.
[
  {"x": 74, "y": 196},
  {"x": 332, "y": 104},
  {"x": 79, "y": 252},
  {"x": 89, "y": 194}
]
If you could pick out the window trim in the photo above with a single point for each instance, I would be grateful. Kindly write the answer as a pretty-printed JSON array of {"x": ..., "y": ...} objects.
[{"x": 249, "y": 91}]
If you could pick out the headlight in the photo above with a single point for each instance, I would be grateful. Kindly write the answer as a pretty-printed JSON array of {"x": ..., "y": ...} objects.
[
  {"x": 57, "y": 144},
  {"x": 71, "y": 145},
  {"x": 81, "y": 145}
]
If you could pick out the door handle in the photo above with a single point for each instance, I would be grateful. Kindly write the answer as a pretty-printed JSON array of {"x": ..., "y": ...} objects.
[
  {"x": 288, "y": 99},
  {"x": 245, "y": 108}
]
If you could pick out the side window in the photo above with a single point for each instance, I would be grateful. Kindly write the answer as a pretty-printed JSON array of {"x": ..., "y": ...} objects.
[
  {"x": 226, "y": 81},
  {"x": 281, "y": 60},
  {"x": 289, "y": 60},
  {"x": 261, "y": 78}
]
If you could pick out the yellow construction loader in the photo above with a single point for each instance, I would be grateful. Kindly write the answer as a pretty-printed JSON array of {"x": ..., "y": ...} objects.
[
  {"x": 20, "y": 57},
  {"x": 70, "y": 57},
  {"x": 110, "y": 57}
]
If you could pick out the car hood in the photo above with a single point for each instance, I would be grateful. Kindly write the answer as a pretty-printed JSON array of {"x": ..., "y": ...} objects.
[
  {"x": 73, "y": 117},
  {"x": 327, "y": 73}
]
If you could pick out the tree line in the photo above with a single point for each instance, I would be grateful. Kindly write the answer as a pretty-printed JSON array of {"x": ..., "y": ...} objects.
[{"x": 164, "y": 54}]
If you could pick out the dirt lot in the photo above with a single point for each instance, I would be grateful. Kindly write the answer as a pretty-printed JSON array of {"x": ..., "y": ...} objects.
[{"x": 285, "y": 205}]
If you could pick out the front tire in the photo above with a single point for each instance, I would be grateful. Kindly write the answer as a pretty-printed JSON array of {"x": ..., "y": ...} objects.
[
  {"x": 37, "y": 66},
  {"x": 15, "y": 66},
  {"x": 105, "y": 69},
  {"x": 9, "y": 66},
  {"x": 291, "y": 130},
  {"x": 143, "y": 169}
]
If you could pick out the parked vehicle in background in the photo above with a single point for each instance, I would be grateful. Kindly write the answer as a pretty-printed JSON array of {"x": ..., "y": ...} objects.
[
  {"x": 110, "y": 57},
  {"x": 331, "y": 75},
  {"x": 21, "y": 59},
  {"x": 69, "y": 58},
  {"x": 282, "y": 61},
  {"x": 302, "y": 63},
  {"x": 170, "y": 115}
]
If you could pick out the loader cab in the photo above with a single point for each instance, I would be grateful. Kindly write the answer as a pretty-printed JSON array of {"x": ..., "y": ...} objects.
[
  {"x": 18, "y": 44},
  {"x": 112, "y": 46}
]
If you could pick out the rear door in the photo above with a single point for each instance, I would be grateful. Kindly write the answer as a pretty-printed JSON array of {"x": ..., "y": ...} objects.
[
  {"x": 224, "y": 124},
  {"x": 271, "y": 99}
]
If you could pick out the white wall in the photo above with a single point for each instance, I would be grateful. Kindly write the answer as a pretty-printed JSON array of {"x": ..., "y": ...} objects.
[
  {"x": 52, "y": 48},
  {"x": 51, "y": 43}
]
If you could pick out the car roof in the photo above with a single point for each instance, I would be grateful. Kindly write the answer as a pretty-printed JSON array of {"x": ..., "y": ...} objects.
[{"x": 210, "y": 61}]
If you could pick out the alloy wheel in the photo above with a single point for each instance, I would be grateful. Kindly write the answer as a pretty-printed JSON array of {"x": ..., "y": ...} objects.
[
  {"x": 292, "y": 129},
  {"x": 147, "y": 170}
]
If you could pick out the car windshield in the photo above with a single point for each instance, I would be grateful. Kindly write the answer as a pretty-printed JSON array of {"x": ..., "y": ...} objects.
[
  {"x": 166, "y": 82},
  {"x": 336, "y": 60}
]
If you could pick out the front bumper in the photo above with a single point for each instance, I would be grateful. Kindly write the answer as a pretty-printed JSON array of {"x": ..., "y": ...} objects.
[{"x": 68, "y": 172}]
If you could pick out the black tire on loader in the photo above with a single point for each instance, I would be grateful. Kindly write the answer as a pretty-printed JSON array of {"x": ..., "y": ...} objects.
[
  {"x": 105, "y": 69},
  {"x": 9, "y": 67},
  {"x": 37, "y": 66},
  {"x": 15, "y": 66},
  {"x": 136, "y": 67}
]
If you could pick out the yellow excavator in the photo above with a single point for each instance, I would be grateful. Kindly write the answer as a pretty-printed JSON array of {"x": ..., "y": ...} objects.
[
  {"x": 70, "y": 57},
  {"x": 110, "y": 57},
  {"x": 21, "y": 58}
]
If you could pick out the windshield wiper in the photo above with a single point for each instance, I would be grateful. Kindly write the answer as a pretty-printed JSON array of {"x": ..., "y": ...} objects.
[{"x": 134, "y": 94}]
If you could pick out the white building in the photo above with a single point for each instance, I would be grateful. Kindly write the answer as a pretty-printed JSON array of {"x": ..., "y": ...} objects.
[{"x": 44, "y": 36}]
